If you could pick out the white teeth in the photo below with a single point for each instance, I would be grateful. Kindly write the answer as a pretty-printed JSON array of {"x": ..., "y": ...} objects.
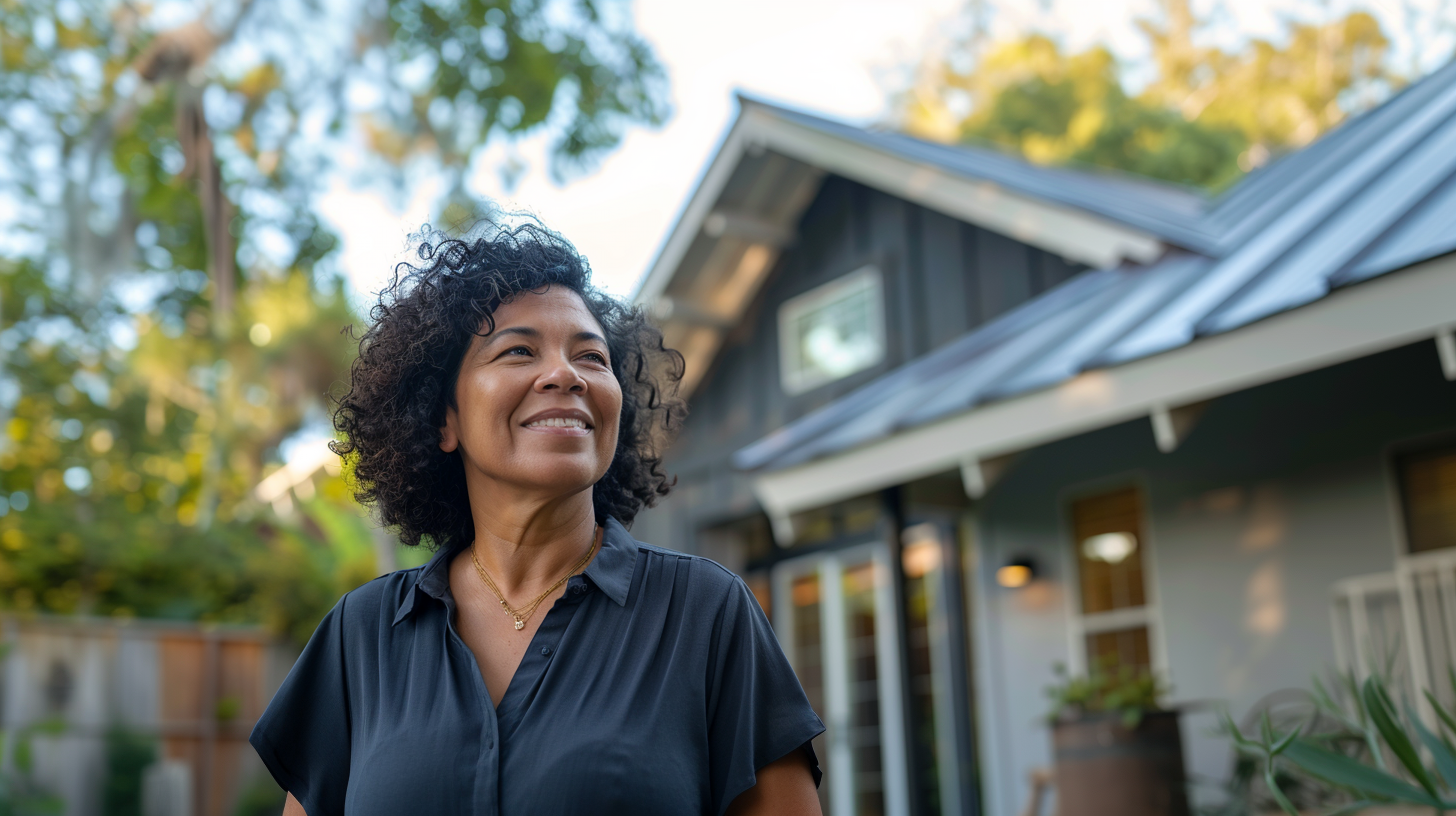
[{"x": 557, "y": 422}]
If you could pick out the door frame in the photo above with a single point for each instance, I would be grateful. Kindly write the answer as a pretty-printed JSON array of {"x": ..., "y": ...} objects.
[{"x": 829, "y": 565}]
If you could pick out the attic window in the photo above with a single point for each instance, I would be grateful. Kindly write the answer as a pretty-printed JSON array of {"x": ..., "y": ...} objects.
[{"x": 832, "y": 331}]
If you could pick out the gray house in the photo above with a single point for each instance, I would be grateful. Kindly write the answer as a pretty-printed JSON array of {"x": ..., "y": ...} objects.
[{"x": 957, "y": 418}]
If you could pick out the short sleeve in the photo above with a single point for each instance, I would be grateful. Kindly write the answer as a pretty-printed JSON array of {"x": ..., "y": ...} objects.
[
  {"x": 303, "y": 735},
  {"x": 757, "y": 710}
]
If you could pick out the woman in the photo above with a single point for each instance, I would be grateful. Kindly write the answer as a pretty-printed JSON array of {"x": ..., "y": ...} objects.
[{"x": 506, "y": 412}]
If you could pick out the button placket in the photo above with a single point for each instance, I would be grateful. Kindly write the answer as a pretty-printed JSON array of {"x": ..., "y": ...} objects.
[{"x": 535, "y": 661}]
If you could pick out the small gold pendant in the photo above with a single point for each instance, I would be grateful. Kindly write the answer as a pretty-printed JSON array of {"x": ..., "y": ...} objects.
[{"x": 520, "y": 624}]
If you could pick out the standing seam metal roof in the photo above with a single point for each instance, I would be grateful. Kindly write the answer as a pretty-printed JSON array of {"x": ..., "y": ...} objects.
[{"x": 1371, "y": 197}]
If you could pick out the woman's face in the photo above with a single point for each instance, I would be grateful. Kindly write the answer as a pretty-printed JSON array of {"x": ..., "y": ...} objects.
[{"x": 536, "y": 403}]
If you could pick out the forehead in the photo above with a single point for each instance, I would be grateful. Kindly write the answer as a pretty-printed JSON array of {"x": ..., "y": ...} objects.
[{"x": 555, "y": 306}]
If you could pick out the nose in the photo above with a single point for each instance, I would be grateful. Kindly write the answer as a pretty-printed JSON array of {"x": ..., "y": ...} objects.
[{"x": 561, "y": 376}]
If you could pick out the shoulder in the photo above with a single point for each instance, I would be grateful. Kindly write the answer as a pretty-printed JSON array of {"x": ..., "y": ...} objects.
[
  {"x": 379, "y": 601},
  {"x": 711, "y": 582}
]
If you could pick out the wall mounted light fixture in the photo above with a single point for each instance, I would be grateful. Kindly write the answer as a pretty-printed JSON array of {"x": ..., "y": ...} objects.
[{"x": 1017, "y": 573}]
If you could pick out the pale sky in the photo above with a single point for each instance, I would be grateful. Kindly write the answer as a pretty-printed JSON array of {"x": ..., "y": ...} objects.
[{"x": 834, "y": 57}]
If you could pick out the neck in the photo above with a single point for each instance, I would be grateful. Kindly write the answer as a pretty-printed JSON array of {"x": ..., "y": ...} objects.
[{"x": 527, "y": 542}]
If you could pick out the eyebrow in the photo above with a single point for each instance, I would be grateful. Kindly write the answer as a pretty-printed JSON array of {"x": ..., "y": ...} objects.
[{"x": 527, "y": 331}]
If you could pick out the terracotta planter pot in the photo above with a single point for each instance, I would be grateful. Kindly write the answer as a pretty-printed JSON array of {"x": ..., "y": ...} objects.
[{"x": 1104, "y": 769}]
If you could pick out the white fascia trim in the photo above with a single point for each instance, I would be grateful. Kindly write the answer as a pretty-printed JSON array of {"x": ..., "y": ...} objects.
[
  {"x": 1066, "y": 231},
  {"x": 1391, "y": 311}
]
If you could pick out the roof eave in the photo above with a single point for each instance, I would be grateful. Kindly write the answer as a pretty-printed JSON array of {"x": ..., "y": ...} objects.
[{"x": 1377, "y": 315}]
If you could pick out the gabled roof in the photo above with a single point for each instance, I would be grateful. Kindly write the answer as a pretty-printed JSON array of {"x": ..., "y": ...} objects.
[
  {"x": 746, "y": 207},
  {"x": 1374, "y": 196}
]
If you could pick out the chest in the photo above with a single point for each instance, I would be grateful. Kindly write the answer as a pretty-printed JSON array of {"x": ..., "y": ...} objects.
[
  {"x": 598, "y": 706},
  {"x": 495, "y": 644}
]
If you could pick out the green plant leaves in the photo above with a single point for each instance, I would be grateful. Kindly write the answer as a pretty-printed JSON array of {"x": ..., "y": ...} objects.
[
  {"x": 1383, "y": 715},
  {"x": 1351, "y": 774},
  {"x": 1441, "y": 712},
  {"x": 1440, "y": 751},
  {"x": 1369, "y": 724},
  {"x": 1107, "y": 687}
]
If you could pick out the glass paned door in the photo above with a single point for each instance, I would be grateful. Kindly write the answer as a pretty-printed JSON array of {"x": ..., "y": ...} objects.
[
  {"x": 935, "y": 712},
  {"x": 838, "y": 624},
  {"x": 805, "y": 650}
]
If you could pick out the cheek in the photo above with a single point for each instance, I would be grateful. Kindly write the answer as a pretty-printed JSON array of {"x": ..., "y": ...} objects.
[
  {"x": 610, "y": 408},
  {"x": 483, "y": 401}
]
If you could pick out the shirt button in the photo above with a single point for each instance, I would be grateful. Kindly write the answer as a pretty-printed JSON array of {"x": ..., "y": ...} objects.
[
  {"x": 545, "y": 650},
  {"x": 578, "y": 589}
]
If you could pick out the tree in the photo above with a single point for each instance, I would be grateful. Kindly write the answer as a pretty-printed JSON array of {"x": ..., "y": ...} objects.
[
  {"x": 1207, "y": 116},
  {"x": 170, "y": 312}
]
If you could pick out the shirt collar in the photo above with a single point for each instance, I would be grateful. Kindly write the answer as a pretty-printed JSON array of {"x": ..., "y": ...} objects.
[
  {"x": 611, "y": 570},
  {"x": 615, "y": 564}
]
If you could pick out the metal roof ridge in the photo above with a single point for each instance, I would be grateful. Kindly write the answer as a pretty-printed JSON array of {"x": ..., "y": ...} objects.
[
  {"x": 1302, "y": 166},
  {"x": 1177, "y": 324},
  {"x": 1122, "y": 197}
]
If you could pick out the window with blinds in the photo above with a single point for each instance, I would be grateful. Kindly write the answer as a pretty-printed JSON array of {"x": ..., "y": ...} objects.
[{"x": 1428, "y": 497}]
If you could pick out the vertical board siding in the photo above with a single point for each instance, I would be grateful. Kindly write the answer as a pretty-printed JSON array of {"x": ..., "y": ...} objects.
[
  {"x": 942, "y": 277},
  {"x": 947, "y": 311}
]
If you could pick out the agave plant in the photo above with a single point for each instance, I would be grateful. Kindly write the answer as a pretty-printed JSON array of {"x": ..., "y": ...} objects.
[{"x": 1376, "y": 756}]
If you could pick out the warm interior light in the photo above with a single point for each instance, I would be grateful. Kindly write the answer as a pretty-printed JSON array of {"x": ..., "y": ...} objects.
[
  {"x": 1014, "y": 576},
  {"x": 921, "y": 555},
  {"x": 806, "y": 591},
  {"x": 1112, "y": 548},
  {"x": 921, "y": 559}
]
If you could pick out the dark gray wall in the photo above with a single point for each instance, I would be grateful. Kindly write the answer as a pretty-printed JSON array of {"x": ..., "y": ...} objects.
[
  {"x": 1279, "y": 492},
  {"x": 942, "y": 278}
]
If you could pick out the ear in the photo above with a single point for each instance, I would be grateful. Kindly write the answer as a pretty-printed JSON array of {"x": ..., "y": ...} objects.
[{"x": 449, "y": 435}]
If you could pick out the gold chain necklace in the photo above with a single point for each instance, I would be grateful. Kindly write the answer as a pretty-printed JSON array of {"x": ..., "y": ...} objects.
[{"x": 523, "y": 613}]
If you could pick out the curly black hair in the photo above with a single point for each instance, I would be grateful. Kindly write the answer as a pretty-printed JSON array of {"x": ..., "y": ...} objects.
[{"x": 404, "y": 378}]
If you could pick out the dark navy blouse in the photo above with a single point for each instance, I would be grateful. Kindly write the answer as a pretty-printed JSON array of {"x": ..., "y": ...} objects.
[{"x": 653, "y": 686}]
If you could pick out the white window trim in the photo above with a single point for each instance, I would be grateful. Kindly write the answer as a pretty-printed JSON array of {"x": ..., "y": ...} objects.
[{"x": 792, "y": 376}]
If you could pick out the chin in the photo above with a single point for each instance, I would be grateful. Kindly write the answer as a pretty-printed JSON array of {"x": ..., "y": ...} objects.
[{"x": 563, "y": 476}]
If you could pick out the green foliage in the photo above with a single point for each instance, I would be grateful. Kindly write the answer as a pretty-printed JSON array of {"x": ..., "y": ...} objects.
[
  {"x": 1376, "y": 754},
  {"x": 262, "y": 798},
  {"x": 510, "y": 66},
  {"x": 169, "y": 439},
  {"x": 127, "y": 757},
  {"x": 1207, "y": 117},
  {"x": 1106, "y": 688},
  {"x": 20, "y": 794},
  {"x": 1080, "y": 114},
  {"x": 141, "y": 404}
]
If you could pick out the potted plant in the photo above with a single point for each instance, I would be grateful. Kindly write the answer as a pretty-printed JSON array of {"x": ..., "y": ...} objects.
[{"x": 1118, "y": 751}]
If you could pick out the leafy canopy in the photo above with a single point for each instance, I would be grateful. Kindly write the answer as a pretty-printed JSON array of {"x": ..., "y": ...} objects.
[
  {"x": 1208, "y": 115},
  {"x": 170, "y": 304}
]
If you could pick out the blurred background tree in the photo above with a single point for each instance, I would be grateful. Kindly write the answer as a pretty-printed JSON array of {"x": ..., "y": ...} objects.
[
  {"x": 1206, "y": 117},
  {"x": 170, "y": 309}
]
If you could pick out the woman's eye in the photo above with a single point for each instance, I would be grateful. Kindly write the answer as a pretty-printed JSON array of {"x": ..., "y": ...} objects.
[
  {"x": 519, "y": 350},
  {"x": 596, "y": 357}
]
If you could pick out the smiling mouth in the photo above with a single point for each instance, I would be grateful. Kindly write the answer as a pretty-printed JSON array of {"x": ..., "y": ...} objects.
[{"x": 559, "y": 422}]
